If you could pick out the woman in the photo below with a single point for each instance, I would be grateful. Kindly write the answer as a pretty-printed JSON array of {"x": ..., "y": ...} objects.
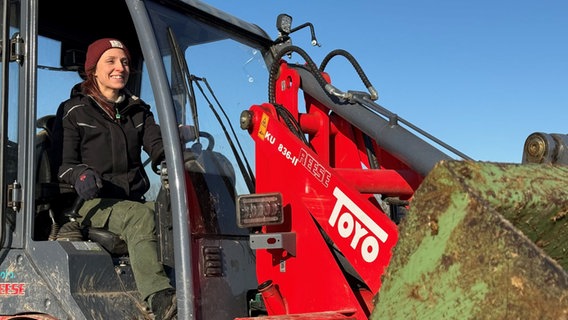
[{"x": 99, "y": 134}]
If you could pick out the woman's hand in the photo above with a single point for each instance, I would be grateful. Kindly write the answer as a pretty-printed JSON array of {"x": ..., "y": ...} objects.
[{"x": 88, "y": 184}]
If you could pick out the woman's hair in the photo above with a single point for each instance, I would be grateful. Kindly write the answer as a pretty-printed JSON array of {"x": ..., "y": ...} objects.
[{"x": 90, "y": 87}]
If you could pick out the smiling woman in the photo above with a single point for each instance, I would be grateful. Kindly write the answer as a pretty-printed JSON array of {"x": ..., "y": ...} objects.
[
  {"x": 106, "y": 73},
  {"x": 97, "y": 139},
  {"x": 107, "y": 65},
  {"x": 127, "y": 96}
]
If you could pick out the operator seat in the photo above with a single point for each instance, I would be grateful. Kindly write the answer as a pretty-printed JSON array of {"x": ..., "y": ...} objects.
[
  {"x": 54, "y": 196},
  {"x": 47, "y": 188}
]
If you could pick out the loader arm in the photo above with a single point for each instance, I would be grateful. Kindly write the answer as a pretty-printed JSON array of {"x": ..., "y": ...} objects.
[{"x": 343, "y": 171}]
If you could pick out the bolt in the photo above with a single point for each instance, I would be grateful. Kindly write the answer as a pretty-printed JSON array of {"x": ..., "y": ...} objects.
[{"x": 246, "y": 119}]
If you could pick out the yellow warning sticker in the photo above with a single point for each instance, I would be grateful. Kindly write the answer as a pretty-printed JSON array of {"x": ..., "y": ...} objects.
[{"x": 263, "y": 126}]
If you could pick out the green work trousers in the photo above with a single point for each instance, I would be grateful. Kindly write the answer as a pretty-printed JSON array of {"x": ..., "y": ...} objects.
[{"x": 134, "y": 222}]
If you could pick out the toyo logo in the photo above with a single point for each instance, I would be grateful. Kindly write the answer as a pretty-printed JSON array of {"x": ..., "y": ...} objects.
[{"x": 353, "y": 223}]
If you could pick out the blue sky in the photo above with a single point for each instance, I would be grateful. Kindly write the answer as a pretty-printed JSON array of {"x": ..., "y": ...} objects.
[{"x": 479, "y": 75}]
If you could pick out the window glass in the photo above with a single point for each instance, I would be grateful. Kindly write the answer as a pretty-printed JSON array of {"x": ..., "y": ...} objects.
[
  {"x": 54, "y": 83},
  {"x": 228, "y": 76}
]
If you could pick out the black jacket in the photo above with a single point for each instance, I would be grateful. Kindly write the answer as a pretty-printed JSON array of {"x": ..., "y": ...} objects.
[{"x": 86, "y": 136}]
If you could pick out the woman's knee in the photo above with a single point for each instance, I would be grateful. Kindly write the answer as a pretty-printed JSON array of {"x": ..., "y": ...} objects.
[{"x": 138, "y": 212}]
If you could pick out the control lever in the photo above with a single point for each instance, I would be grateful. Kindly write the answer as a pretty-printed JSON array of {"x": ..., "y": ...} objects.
[
  {"x": 74, "y": 212},
  {"x": 71, "y": 231}
]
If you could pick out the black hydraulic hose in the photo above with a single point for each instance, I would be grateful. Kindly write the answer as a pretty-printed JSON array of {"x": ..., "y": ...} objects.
[
  {"x": 374, "y": 96},
  {"x": 409, "y": 148},
  {"x": 323, "y": 83},
  {"x": 373, "y": 93},
  {"x": 292, "y": 124},
  {"x": 288, "y": 118},
  {"x": 274, "y": 70},
  {"x": 356, "y": 65},
  {"x": 373, "y": 161}
]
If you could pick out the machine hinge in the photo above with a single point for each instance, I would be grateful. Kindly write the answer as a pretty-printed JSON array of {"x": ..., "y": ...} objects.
[
  {"x": 17, "y": 48},
  {"x": 15, "y": 196}
]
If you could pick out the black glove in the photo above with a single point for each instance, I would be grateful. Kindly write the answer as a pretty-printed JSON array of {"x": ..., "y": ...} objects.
[
  {"x": 88, "y": 184},
  {"x": 157, "y": 163},
  {"x": 186, "y": 133}
]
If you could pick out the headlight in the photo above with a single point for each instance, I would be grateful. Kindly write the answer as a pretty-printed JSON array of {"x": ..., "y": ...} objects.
[{"x": 254, "y": 210}]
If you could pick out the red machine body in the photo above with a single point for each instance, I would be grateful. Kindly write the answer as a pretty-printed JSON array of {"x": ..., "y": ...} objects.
[{"x": 331, "y": 202}]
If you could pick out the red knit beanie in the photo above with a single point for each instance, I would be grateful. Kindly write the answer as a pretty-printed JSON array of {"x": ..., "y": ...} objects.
[{"x": 97, "y": 48}]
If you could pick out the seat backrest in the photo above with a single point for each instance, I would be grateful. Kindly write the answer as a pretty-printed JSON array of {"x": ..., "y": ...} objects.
[{"x": 48, "y": 188}]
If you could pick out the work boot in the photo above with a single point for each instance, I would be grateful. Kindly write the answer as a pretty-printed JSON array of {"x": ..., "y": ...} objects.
[{"x": 164, "y": 304}]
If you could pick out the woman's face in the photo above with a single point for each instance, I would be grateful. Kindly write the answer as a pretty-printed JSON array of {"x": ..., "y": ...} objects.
[{"x": 112, "y": 72}]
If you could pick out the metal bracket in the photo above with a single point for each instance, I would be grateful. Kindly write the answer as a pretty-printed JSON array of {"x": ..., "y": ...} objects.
[{"x": 284, "y": 240}]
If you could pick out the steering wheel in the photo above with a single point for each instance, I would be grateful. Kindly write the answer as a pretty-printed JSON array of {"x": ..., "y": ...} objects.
[
  {"x": 188, "y": 133},
  {"x": 196, "y": 147},
  {"x": 210, "y": 140}
]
